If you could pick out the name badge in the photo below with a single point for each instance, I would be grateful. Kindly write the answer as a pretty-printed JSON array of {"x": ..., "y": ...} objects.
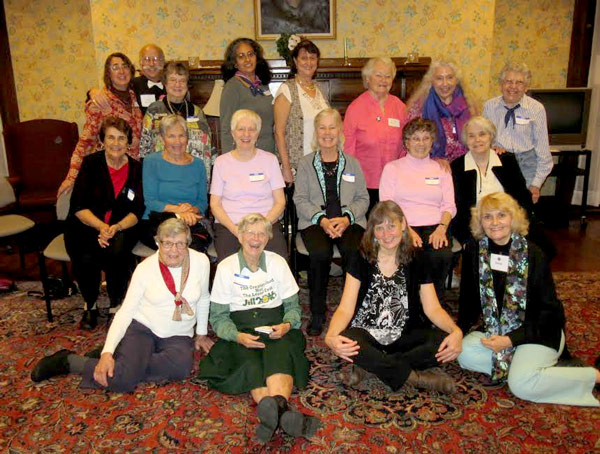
[
  {"x": 499, "y": 262},
  {"x": 522, "y": 120},
  {"x": 394, "y": 122},
  {"x": 349, "y": 177},
  {"x": 240, "y": 279},
  {"x": 257, "y": 176},
  {"x": 192, "y": 119},
  {"x": 130, "y": 194},
  {"x": 432, "y": 181},
  {"x": 147, "y": 100}
]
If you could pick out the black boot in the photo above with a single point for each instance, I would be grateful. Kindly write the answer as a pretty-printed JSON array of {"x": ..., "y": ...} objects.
[
  {"x": 51, "y": 366},
  {"x": 95, "y": 353},
  {"x": 269, "y": 410},
  {"x": 315, "y": 327},
  {"x": 296, "y": 424},
  {"x": 89, "y": 320}
]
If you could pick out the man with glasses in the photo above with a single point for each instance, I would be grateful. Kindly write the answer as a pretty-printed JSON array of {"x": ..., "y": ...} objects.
[
  {"x": 148, "y": 86},
  {"x": 521, "y": 125}
]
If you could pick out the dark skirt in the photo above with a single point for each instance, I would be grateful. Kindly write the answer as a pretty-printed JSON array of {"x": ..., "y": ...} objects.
[{"x": 232, "y": 368}]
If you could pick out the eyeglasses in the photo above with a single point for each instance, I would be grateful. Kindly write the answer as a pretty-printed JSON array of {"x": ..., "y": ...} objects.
[
  {"x": 260, "y": 235},
  {"x": 181, "y": 245},
  {"x": 116, "y": 68},
  {"x": 248, "y": 55},
  {"x": 518, "y": 83},
  {"x": 424, "y": 139},
  {"x": 151, "y": 59},
  {"x": 175, "y": 81}
]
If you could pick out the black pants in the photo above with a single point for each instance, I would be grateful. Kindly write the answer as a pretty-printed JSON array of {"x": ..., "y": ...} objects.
[
  {"x": 415, "y": 350},
  {"x": 373, "y": 198},
  {"x": 89, "y": 259},
  {"x": 201, "y": 237},
  {"x": 439, "y": 261},
  {"x": 320, "y": 253},
  {"x": 226, "y": 243}
]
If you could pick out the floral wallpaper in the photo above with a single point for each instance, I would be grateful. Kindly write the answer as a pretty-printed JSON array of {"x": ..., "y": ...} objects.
[
  {"x": 537, "y": 32},
  {"x": 52, "y": 50},
  {"x": 59, "y": 46}
]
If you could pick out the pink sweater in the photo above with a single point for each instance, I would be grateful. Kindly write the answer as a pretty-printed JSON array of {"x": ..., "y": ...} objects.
[{"x": 421, "y": 187}]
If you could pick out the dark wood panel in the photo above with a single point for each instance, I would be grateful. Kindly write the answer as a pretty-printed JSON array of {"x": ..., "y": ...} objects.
[
  {"x": 582, "y": 35},
  {"x": 340, "y": 83},
  {"x": 9, "y": 107}
]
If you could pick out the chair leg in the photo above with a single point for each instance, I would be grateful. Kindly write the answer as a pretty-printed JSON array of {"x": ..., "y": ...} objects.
[{"x": 45, "y": 286}]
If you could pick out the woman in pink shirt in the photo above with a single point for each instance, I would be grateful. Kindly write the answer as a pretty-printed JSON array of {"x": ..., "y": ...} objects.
[
  {"x": 373, "y": 123},
  {"x": 424, "y": 190},
  {"x": 246, "y": 180}
]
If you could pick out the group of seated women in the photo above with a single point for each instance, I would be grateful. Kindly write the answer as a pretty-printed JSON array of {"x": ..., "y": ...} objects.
[{"x": 396, "y": 252}]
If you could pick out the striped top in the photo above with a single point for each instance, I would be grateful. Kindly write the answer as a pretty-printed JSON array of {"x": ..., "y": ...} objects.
[{"x": 529, "y": 132}]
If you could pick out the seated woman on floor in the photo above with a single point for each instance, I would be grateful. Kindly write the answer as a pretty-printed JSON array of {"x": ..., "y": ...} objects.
[
  {"x": 175, "y": 186},
  {"x": 383, "y": 322},
  {"x": 101, "y": 229},
  {"x": 255, "y": 313},
  {"x": 507, "y": 285},
  {"x": 151, "y": 337}
]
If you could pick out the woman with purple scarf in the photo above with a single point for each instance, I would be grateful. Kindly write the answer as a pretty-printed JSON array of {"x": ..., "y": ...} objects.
[
  {"x": 247, "y": 76},
  {"x": 442, "y": 98}
]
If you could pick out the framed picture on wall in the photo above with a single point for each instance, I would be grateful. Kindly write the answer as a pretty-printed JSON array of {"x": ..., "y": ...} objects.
[{"x": 310, "y": 18}]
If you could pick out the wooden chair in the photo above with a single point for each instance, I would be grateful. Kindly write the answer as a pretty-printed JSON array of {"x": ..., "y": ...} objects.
[
  {"x": 38, "y": 154},
  {"x": 56, "y": 250},
  {"x": 12, "y": 224}
]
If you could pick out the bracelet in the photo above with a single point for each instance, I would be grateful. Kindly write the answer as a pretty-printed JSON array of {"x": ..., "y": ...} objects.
[
  {"x": 443, "y": 225},
  {"x": 119, "y": 226}
]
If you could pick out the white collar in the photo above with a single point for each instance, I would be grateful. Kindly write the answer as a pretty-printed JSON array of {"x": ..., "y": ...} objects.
[{"x": 470, "y": 164}]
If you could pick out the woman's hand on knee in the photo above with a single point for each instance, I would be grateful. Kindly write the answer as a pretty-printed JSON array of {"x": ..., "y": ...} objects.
[
  {"x": 497, "y": 343},
  {"x": 203, "y": 343},
  {"x": 343, "y": 347},
  {"x": 450, "y": 347},
  {"x": 249, "y": 341},
  {"x": 280, "y": 330},
  {"x": 104, "y": 368}
]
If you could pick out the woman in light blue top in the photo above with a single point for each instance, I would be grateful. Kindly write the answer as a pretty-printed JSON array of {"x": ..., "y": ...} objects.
[{"x": 175, "y": 186}]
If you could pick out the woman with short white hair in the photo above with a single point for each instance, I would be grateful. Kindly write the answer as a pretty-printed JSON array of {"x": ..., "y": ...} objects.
[
  {"x": 246, "y": 180},
  {"x": 373, "y": 123}
]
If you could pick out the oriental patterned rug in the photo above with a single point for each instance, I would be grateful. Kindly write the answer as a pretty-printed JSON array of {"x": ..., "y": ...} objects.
[{"x": 57, "y": 417}]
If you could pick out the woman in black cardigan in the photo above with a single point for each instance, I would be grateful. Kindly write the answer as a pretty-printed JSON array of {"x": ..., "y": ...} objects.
[
  {"x": 106, "y": 204},
  {"x": 480, "y": 172},
  {"x": 507, "y": 297}
]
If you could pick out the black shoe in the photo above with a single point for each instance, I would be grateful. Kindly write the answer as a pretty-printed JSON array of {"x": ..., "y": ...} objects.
[
  {"x": 573, "y": 361},
  {"x": 315, "y": 327},
  {"x": 296, "y": 424},
  {"x": 95, "y": 353},
  {"x": 268, "y": 415},
  {"x": 89, "y": 320},
  {"x": 597, "y": 363},
  {"x": 51, "y": 366}
]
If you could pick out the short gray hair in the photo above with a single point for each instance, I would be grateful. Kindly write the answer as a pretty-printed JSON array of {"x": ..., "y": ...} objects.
[
  {"x": 175, "y": 67},
  {"x": 483, "y": 123},
  {"x": 516, "y": 67},
  {"x": 254, "y": 218},
  {"x": 169, "y": 121},
  {"x": 367, "y": 70},
  {"x": 338, "y": 119},
  {"x": 242, "y": 114},
  {"x": 172, "y": 227}
]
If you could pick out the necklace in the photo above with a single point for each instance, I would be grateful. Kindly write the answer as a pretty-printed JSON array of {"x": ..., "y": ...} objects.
[
  {"x": 307, "y": 86},
  {"x": 179, "y": 109}
]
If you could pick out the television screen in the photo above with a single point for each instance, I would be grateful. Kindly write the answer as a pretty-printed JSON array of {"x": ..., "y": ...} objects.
[{"x": 567, "y": 110}]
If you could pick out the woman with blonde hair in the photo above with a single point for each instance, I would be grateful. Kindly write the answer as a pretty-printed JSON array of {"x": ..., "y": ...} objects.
[
  {"x": 443, "y": 98},
  {"x": 506, "y": 284}
]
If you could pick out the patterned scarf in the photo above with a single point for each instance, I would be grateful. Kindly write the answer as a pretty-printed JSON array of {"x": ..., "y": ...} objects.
[
  {"x": 253, "y": 86},
  {"x": 180, "y": 303},
  {"x": 457, "y": 111},
  {"x": 515, "y": 298}
]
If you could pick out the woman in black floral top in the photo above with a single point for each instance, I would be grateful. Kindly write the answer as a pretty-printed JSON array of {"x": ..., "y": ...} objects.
[
  {"x": 507, "y": 297},
  {"x": 383, "y": 322}
]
